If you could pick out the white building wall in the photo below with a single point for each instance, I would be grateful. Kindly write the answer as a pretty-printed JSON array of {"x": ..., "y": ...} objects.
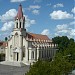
[
  {"x": 37, "y": 53},
  {"x": 2, "y": 49},
  {"x": 9, "y": 51},
  {"x": 25, "y": 43}
]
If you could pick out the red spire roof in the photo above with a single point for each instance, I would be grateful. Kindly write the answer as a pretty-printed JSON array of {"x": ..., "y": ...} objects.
[{"x": 20, "y": 13}]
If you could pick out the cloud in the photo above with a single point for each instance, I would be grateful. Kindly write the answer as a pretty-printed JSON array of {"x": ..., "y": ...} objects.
[
  {"x": 72, "y": 32},
  {"x": 17, "y": 0},
  {"x": 8, "y": 20},
  {"x": 36, "y": 12},
  {"x": 58, "y": 5},
  {"x": 9, "y": 15},
  {"x": 10, "y": 24},
  {"x": 37, "y": 1},
  {"x": 29, "y": 22},
  {"x": 72, "y": 23},
  {"x": 45, "y": 32},
  {"x": 60, "y": 27},
  {"x": 58, "y": 15},
  {"x": 65, "y": 30},
  {"x": 7, "y": 26},
  {"x": 73, "y": 10},
  {"x": 49, "y": 4},
  {"x": 34, "y": 7}
]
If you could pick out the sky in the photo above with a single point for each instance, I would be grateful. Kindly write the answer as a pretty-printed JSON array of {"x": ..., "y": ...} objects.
[{"x": 47, "y": 17}]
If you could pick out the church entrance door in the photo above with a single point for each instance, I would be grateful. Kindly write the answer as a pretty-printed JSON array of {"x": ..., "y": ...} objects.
[{"x": 16, "y": 56}]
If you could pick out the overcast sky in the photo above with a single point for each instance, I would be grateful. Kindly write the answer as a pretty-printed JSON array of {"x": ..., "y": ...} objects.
[{"x": 47, "y": 17}]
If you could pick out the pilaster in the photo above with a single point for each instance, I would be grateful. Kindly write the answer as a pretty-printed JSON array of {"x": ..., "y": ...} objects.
[{"x": 37, "y": 53}]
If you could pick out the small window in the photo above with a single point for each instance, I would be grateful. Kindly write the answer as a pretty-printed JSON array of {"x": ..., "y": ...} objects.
[
  {"x": 10, "y": 46},
  {"x": 16, "y": 25},
  {"x": 32, "y": 55},
  {"x": 20, "y": 24},
  {"x": 1, "y": 48},
  {"x": 16, "y": 33},
  {"x": 24, "y": 51},
  {"x": 23, "y": 26}
]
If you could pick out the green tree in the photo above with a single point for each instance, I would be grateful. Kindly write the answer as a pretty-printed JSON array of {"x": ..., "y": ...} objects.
[
  {"x": 39, "y": 68},
  {"x": 61, "y": 41},
  {"x": 63, "y": 62},
  {"x": 6, "y": 38},
  {"x": 62, "y": 65},
  {"x": 59, "y": 66}
]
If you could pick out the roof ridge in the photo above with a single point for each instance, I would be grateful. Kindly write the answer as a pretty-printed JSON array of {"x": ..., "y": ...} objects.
[{"x": 37, "y": 34}]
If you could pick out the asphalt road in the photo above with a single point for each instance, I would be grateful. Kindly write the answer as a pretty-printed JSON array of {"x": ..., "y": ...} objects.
[{"x": 13, "y": 70}]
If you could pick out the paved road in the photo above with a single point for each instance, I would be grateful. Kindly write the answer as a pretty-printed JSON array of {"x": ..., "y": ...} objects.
[{"x": 12, "y": 70}]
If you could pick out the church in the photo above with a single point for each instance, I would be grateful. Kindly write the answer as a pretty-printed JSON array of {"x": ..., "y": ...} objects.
[{"x": 27, "y": 47}]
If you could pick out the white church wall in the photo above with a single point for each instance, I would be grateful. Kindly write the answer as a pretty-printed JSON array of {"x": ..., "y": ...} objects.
[
  {"x": 9, "y": 50},
  {"x": 32, "y": 55},
  {"x": 32, "y": 48},
  {"x": 25, "y": 43},
  {"x": 16, "y": 31}
]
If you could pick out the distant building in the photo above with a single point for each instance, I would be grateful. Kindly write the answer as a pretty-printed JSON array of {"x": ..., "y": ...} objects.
[
  {"x": 2, "y": 50},
  {"x": 2, "y": 47},
  {"x": 28, "y": 47}
]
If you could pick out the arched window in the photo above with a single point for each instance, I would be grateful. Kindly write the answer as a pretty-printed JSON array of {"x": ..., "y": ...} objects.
[
  {"x": 16, "y": 34},
  {"x": 17, "y": 25},
  {"x": 32, "y": 55},
  {"x": 11, "y": 50},
  {"x": 23, "y": 24},
  {"x": 20, "y": 24},
  {"x": 10, "y": 46},
  {"x": 24, "y": 51},
  {"x": 16, "y": 38}
]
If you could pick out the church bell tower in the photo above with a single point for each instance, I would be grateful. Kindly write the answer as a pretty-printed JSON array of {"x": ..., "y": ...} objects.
[
  {"x": 18, "y": 34},
  {"x": 19, "y": 27},
  {"x": 19, "y": 19}
]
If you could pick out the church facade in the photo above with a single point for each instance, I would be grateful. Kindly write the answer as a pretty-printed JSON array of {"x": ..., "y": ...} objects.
[{"x": 27, "y": 47}]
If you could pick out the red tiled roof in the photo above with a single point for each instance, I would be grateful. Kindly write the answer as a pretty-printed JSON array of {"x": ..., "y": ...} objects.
[
  {"x": 20, "y": 13},
  {"x": 38, "y": 36},
  {"x": 1, "y": 43},
  {"x": 4, "y": 44}
]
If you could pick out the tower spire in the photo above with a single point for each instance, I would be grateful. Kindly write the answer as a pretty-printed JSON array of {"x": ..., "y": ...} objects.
[
  {"x": 20, "y": 13},
  {"x": 19, "y": 19}
]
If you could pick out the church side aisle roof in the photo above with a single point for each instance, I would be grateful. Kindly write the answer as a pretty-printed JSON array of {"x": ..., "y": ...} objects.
[{"x": 38, "y": 37}]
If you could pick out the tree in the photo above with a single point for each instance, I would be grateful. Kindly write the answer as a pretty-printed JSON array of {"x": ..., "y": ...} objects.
[
  {"x": 39, "y": 68},
  {"x": 2, "y": 56},
  {"x": 61, "y": 41},
  {"x": 71, "y": 51},
  {"x": 63, "y": 66},
  {"x": 6, "y": 38},
  {"x": 63, "y": 62},
  {"x": 59, "y": 66}
]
